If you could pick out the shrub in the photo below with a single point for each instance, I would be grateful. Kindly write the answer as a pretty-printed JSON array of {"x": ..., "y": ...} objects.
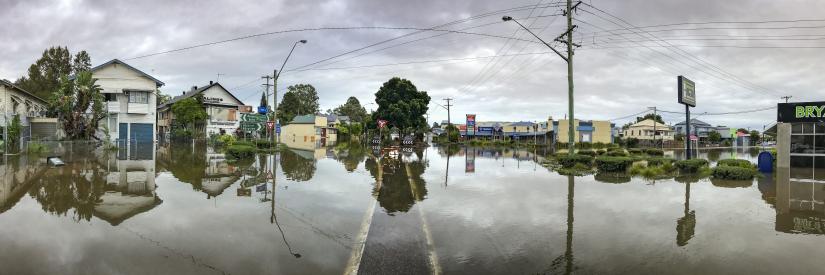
[
  {"x": 226, "y": 139},
  {"x": 735, "y": 163},
  {"x": 36, "y": 148},
  {"x": 570, "y": 161},
  {"x": 613, "y": 164},
  {"x": 239, "y": 151},
  {"x": 587, "y": 152},
  {"x": 691, "y": 165},
  {"x": 634, "y": 151},
  {"x": 659, "y": 161},
  {"x": 616, "y": 153},
  {"x": 733, "y": 172},
  {"x": 262, "y": 143},
  {"x": 245, "y": 143},
  {"x": 601, "y": 152},
  {"x": 654, "y": 152}
]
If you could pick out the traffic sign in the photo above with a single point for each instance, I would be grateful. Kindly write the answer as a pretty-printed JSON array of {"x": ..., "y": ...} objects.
[
  {"x": 249, "y": 126},
  {"x": 253, "y": 117},
  {"x": 262, "y": 110},
  {"x": 382, "y": 123},
  {"x": 693, "y": 138},
  {"x": 270, "y": 125},
  {"x": 278, "y": 128}
]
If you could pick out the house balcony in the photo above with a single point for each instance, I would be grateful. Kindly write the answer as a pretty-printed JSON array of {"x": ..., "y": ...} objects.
[{"x": 113, "y": 107}]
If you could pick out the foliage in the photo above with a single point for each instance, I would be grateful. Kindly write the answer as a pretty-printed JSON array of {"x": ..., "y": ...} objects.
[
  {"x": 754, "y": 136},
  {"x": 36, "y": 148},
  {"x": 71, "y": 99},
  {"x": 227, "y": 140},
  {"x": 735, "y": 163},
  {"x": 714, "y": 137},
  {"x": 616, "y": 153},
  {"x": 568, "y": 161},
  {"x": 659, "y": 161},
  {"x": 240, "y": 151},
  {"x": 613, "y": 164},
  {"x": 631, "y": 142},
  {"x": 301, "y": 99},
  {"x": 634, "y": 151},
  {"x": 187, "y": 112},
  {"x": 451, "y": 134},
  {"x": 401, "y": 104},
  {"x": 43, "y": 77},
  {"x": 691, "y": 165},
  {"x": 14, "y": 133},
  {"x": 296, "y": 167},
  {"x": 353, "y": 109},
  {"x": 163, "y": 98},
  {"x": 435, "y": 125},
  {"x": 734, "y": 172},
  {"x": 679, "y": 137},
  {"x": 587, "y": 152},
  {"x": 654, "y": 152}
]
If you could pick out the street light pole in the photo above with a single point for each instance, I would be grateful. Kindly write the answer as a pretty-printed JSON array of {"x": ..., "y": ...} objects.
[
  {"x": 276, "y": 74},
  {"x": 569, "y": 60}
]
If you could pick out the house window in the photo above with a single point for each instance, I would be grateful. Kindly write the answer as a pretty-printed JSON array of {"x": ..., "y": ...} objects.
[
  {"x": 138, "y": 97},
  {"x": 111, "y": 97}
]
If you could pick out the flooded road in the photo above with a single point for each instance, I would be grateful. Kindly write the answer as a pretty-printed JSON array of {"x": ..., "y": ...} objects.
[{"x": 183, "y": 209}]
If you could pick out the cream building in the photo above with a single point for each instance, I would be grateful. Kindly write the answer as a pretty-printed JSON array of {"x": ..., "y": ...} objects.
[
  {"x": 131, "y": 97},
  {"x": 308, "y": 132},
  {"x": 585, "y": 131},
  {"x": 222, "y": 107},
  {"x": 644, "y": 130},
  {"x": 16, "y": 101}
]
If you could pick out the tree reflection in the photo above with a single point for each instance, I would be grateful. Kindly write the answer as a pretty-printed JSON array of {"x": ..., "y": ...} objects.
[
  {"x": 298, "y": 165},
  {"x": 186, "y": 163},
  {"x": 399, "y": 184},
  {"x": 77, "y": 186},
  {"x": 351, "y": 154}
]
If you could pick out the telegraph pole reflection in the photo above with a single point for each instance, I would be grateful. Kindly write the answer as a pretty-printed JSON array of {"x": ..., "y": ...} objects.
[
  {"x": 273, "y": 218},
  {"x": 568, "y": 253}
]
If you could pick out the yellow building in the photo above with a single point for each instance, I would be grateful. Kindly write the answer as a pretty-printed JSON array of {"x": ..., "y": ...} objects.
[
  {"x": 586, "y": 131},
  {"x": 308, "y": 132},
  {"x": 644, "y": 130}
]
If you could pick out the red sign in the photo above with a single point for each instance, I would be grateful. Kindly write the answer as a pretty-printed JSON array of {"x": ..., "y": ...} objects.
[
  {"x": 382, "y": 123},
  {"x": 693, "y": 138},
  {"x": 270, "y": 125}
]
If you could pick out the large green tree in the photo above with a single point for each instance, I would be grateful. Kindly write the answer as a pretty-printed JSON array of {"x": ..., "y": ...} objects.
[
  {"x": 187, "y": 112},
  {"x": 69, "y": 101},
  {"x": 401, "y": 104},
  {"x": 43, "y": 77},
  {"x": 301, "y": 99},
  {"x": 353, "y": 109}
]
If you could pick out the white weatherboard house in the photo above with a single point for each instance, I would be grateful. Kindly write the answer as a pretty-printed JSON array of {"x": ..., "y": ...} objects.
[
  {"x": 15, "y": 101},
  {"x": 221, "y": 106},
  {"x": 131, "y": 97}
]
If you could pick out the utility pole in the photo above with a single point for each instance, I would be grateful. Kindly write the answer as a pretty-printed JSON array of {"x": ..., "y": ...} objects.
[
  {"x": 786, "y": 98},
  {"x": 654, "y": 126},
  {"x": 449, "y": 122},
  {"x": 266, "y": 91},
  {"x": 569, "y": 59}
]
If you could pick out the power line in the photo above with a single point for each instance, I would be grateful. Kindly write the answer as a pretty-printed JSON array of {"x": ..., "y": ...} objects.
[
  {"x": 708, "y": 28},
  {"x": 420, "y": 62},
  {"x": 629, "y": 116}
]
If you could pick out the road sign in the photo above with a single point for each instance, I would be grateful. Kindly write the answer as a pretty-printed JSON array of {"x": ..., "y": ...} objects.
[
  {"x": 270, "y": 125},
  {"x": 278, "y": 128},
  {"x": 268, "y": 175},
  {"x": 694, "y": 138},
  {"x": 262, "y": 110},
  {"x": 382, "y": 123},
  {"x": 471, "y": 124},
  {"x": 253, "y": 117},
  {"x": 249, "y": 126}
]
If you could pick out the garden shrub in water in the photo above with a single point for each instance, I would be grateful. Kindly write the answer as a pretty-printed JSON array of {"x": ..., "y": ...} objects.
[
  {"x": 570, "y": 161},
  {"x": 239, "y": 151},
  {"x": 613, "y": 164},
  {"x": 735, "y": 163},
  {"x": 733, "y": 172},
  {"x": 691, "y": 165},
  {"x": 634, "y": 151},
  {"x": 659, "y": 161},
  {"x": 654, "y": 152},
  {"x": 616, "y": 153},
  {"x": 587, "y": 152}
]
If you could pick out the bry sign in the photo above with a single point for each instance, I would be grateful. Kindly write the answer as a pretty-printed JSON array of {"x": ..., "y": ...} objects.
[{"x": 801, "y": 112}]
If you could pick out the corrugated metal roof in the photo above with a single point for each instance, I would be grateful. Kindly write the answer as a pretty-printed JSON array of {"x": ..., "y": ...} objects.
[{"x": 304, "y": 119}]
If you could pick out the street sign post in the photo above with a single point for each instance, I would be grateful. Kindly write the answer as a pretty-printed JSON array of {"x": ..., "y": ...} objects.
[
  {"x": 471, "y": 124},
  {"x": 278, "y": 128},
  {"x": 270, "y": 125},
  {"x": 687, "y": 96}
]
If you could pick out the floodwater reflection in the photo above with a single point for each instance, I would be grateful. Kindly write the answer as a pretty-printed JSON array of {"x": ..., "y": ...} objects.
[{"x": 184, "y": 209}]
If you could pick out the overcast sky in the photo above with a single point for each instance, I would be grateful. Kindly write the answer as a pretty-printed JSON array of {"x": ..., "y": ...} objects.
[{"x": 612, "y": 79}]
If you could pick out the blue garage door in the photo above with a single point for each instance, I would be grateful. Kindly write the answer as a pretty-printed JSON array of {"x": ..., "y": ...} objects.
[{"x": 142, "y": 132}]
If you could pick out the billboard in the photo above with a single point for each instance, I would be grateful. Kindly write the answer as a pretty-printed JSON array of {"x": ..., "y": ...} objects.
[
  {"x": 801, "y": 112},
  {"x": 687, "y": 91},
  {"x": 471, "y": 124}
]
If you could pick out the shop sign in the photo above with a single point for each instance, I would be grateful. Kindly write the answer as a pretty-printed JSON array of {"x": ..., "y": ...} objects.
[
  {"x": 471, "y": 124},
  {"x": 801, "y": 112},
  {"x": 687, "y": 91}
]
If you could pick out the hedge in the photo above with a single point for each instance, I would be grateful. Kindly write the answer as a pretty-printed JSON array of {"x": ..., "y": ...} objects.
[
  {"x": 654, "y": 152},
  {"x": 658, "y": 161},
  {"x": 733, "y": 172},
  {"x": 241, "y": 151},
  {"x": 735, "y": 163},
  {"x": 613, "y": 164},
  {"x": 587, "y": 152},
  {"x": 634, "y": 151},
  {"x": 616, "y": 153},
  {"x": 570, "y": 161},
  {"x": 691, "y": 165}
]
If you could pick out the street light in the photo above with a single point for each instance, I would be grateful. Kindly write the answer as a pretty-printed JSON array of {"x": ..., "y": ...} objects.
[{"x": 277, "y": 74}]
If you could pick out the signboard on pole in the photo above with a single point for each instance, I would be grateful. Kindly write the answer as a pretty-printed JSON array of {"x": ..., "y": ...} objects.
[
  {"x": 687, "y": 91},
  {"x": 262, "y": 110},
  {"x": 694, "y": 138},
  {"x": 471, "y": 124},
  {"x": 270, "y": 125},
  {"x": 277, "y": 128},
  {"x": 801, "y": 112},
  {"x": 382, "y": 123}
]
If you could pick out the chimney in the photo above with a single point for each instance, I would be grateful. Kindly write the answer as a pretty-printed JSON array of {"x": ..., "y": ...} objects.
[
  {"x": 194, "y": 88},
  {"x": 183, "y": 93},
  {"x": 210, "y": 82}
]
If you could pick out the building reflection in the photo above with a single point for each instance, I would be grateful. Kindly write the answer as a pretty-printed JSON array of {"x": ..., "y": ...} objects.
[
  {"x": 16, "y": 177},
  {"x": 202, "y": 166},
  {"x": 299, "y": 165},
  {"x": 399, "y": 184},
  {"x": 350, "y": 154},
  {"x": 799, "y": 204}
]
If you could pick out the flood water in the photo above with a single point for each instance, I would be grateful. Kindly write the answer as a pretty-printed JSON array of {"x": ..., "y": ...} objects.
[{"x": 184, "y": 209}]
